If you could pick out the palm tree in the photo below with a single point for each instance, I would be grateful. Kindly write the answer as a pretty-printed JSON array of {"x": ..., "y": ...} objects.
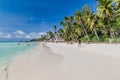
[
  {"x": 55, "y": 29},
  {"x": 61, "y": 33},
  {"x": 117, "y": 3},
  {"x": 67, "y": 23},
  {"x": 43, "y": 38},
  {"x": 116, "y": 15},
  {"x": 50, "y": 35},
  {"x": 55, "y": 32},
  {"x": 92, "y": 23},
  {"x": 79, "y": 20},
  {"x": 78, "y": 31},
  {"x": 105, "y": 10}
]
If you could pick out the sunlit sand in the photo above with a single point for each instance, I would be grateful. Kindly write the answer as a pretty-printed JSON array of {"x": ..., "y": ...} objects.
[{"x": 67, "y": 62}]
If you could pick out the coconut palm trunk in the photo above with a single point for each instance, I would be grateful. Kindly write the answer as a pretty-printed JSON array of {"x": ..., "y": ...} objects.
[
  {"x": 111, "y": 34},
  {"x": 96, "y": 34},
  {"x": 85, "y": 31}
]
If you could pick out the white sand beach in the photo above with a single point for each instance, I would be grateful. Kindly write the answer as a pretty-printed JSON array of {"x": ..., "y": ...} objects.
[{"x": 67, "y": 62}]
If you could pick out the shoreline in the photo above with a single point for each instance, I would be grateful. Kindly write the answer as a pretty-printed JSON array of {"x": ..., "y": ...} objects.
[
  {"x": 69, "y": 61},
  {"x": 4, "y": 69},
  {"x": 47, "y": 56}
]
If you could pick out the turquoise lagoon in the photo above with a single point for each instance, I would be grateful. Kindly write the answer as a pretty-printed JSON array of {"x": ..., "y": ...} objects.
[{"x": 9, "y": 50}]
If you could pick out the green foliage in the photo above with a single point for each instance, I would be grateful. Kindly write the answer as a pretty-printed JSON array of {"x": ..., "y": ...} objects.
[
  {"x": 116, "y": 40},
  {"x": 106, "y": 40},
  {"x": 94, "y": 39},
  {"x": 88, "y": 26},
  {"x": 84, "y": 39}
]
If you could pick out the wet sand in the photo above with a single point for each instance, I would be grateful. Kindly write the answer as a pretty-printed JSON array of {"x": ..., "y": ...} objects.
[{"x": 38, "y": 64}]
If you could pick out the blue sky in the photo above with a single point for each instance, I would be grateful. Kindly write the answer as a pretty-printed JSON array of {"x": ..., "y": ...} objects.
[{"x": 26, "y": 19}]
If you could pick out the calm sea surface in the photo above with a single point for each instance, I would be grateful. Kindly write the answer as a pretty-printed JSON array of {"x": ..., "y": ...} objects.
[{"x": 9, "y": 50}]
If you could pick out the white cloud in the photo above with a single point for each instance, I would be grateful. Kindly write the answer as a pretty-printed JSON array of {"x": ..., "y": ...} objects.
[
  {"x": 4, "y": 35},
  {"x": 28, "y": 36},
  {"x": 7, "y": 36},
  {"x": 33, "y": 35},
  {"x": 42, "y": 33},
  {"x": 19, "y": 32}
]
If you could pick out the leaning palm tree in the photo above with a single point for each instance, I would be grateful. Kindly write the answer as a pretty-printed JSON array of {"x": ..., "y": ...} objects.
[
  {"x": 92, "y": 23},
  {"x": 79, "y": 20},
  {"x": 67, "y": 23},
  {"x": 79, "y": 31},
  {"x": 105, "y": 10}
]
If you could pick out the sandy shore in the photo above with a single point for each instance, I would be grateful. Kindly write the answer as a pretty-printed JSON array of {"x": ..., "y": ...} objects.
[{"x": 67, "y": 62}]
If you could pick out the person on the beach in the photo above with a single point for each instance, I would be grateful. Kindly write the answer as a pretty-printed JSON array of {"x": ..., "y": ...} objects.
[
  {"x": 110, "y": 40},
  {"x": 18, "y": 43},
  {"x": 79, "y": 43},
  {"x": 28, "y": 44}
]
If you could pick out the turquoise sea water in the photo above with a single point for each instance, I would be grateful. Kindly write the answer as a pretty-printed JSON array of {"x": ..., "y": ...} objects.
[{"x": 9, "y": 50}]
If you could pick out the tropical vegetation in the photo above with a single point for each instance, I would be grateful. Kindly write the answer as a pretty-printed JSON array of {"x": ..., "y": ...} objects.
[{"x": 87, "y": 25}]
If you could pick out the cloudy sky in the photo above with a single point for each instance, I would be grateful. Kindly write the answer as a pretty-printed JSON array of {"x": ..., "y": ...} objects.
[{"x": 27, "y": 19}]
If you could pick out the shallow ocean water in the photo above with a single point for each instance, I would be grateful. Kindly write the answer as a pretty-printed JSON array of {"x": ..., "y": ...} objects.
[{"x": 9, "y": 50}]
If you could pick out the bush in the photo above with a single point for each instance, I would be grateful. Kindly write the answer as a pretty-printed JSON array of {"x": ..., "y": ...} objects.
[
  {"x": 94, "y": 39},
  {"x": 84, "y": 39},
  {"x": 106, "y": 40},
  {"x": 116, "y": 40}
]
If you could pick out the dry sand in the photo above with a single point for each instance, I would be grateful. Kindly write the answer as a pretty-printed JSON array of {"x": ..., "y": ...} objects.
[{"x": 67, "y": 62}]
